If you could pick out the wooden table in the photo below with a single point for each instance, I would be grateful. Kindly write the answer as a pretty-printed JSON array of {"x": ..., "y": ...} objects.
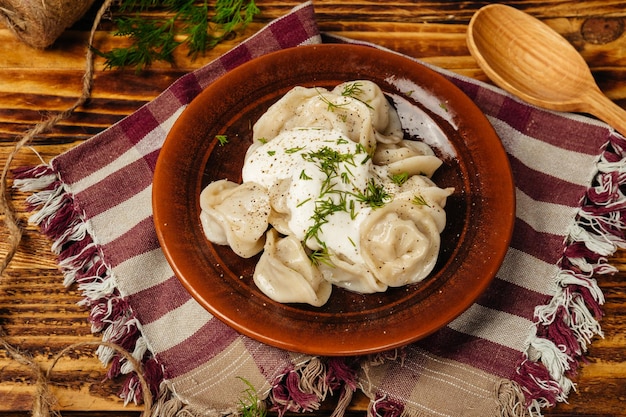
[{"x": 42, "y": 317}]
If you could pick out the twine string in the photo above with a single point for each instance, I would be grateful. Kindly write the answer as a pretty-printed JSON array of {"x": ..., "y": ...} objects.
[
  {"x": 6, "y": 206},
  {"x": 44, "y": 400}
]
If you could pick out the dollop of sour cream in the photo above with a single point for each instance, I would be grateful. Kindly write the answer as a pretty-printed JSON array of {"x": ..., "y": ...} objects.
[{"x": 322, "y": 193}]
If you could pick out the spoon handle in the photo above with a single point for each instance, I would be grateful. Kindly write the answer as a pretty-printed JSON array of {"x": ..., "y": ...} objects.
[{"x": 606, "y": 110}]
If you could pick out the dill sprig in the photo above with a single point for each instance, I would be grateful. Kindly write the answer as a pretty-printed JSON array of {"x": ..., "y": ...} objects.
[
  {"x": 221, "y": 139},
  {"x": 419, "y": 200},
  {"x": 400, "y": 178},
  {"x": 249, "y": 404},
  {"x": 188, "y": 22},
  {"x": 374, "y": 195},
  {"x": 353, "y": 90},
  {"x": 321, "y": 256}
]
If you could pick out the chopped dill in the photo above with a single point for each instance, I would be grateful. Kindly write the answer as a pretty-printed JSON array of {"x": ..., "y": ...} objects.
[
  {"x": 352, "y": 210},
  {"x": 321, "y": 256},
  {"x": 374, "y": 195},
  {"x": 400, "y": 178},
  {"x": 221, "y": 139},
  {"x": 304, "y": 176},
  {"x": 294, "y": 150},
  {"x": 303, "y": 202},
  {"x": 330, "y": 106},
  {"x": 335, "y": 167},
  {"x": 271, "y": 153},
  {"x": 249, "y": 404},
  {"x": 361, "y": 149},
  {"x": 353, "y": 90},
  {"x": 419, "y": 200}
]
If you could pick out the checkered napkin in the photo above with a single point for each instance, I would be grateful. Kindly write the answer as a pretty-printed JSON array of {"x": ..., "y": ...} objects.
[{"x": 511, "y": 353}]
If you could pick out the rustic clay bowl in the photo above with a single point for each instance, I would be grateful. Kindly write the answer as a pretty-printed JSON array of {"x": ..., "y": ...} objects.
[{"x": 480, "y": 213}]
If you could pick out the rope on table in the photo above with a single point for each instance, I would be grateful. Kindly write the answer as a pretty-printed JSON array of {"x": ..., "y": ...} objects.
[{"x": 44, "y": 400}]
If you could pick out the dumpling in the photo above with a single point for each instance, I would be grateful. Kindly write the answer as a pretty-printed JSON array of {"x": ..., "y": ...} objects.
[
  {"x": 400, "y": 243},
  {"x": 330, "y": 171},
  {"x": 353, "y": 276},
  {"x": 286, "y": 274},
  {"x": 235, "y": 215},
  {"x": 387, "y": 153},
  {"x": 273, "y": 121},
  {"x": 384, "y": 118},
  {"x": 358, "y": 109},
  {"x": 423, "y": 192},
  {"x": 410, "y": 157},
  {"x": 279, "y": 202}
]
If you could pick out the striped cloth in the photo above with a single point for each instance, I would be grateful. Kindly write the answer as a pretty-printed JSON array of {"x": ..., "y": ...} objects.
[{"x": 511, "y": 353}]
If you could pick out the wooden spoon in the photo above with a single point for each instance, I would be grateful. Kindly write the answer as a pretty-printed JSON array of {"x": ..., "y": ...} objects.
[{"x": 526, "y": 57}]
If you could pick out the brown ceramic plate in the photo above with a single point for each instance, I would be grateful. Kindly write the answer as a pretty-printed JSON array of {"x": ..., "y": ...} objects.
[{"x": 480, "y": 213}]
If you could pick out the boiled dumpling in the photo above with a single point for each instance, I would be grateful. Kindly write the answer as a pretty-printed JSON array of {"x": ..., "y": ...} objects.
[
  {"x": 399, "y": 244},
  {"x": 235, "y": 215},
  {"x": 407, "y": 157},
  {"x": 286, "y": 275},
  {"x": 359, "y": 110},
  {"x": 384, "y": 119},
  {"x": 353, "y": 276}
]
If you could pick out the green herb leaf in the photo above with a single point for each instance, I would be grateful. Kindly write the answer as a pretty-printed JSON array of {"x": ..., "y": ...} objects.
[
  {"x": 400, "y": 179},
  {"x": 353, "y": 90},
  {"x": 294, "y": 150},
  {"x": 330, "y": 106},
  {"x": 249, "y": 404},
  {"x": 419, "y": 200},
  {"x": 374, "y": 195},
  {"x": 221, "y": 139},
  {"x": 321, "y": 256}
]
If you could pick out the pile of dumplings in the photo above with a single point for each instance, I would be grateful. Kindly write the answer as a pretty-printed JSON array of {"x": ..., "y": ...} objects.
[{"x": 331, "y": 194}]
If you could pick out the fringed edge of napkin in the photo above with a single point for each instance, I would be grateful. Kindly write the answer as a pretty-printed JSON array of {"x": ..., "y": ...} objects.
[
  {"x": 296, "y": 389},
  {"x": 566, "y": 325},
  {"x": 81, "y": 262}
]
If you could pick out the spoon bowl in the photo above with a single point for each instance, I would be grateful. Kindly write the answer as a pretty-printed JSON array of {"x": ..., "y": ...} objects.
[{"x": 526, "y": 57}]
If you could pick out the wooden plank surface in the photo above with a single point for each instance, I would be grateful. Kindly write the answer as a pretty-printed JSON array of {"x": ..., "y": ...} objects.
[{"x": 42, "y": 317}]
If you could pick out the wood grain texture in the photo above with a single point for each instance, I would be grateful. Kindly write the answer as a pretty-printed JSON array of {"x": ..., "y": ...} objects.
[{"x": 42, "y": 317}]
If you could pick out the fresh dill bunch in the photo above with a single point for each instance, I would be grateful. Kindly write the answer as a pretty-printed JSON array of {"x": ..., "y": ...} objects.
[
  {"x": 198, "y": 27},
  {"x": 151, "y": 41}
]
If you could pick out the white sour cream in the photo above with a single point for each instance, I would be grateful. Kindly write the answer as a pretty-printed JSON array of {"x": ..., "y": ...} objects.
[{"x": 296, "y": 155}]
